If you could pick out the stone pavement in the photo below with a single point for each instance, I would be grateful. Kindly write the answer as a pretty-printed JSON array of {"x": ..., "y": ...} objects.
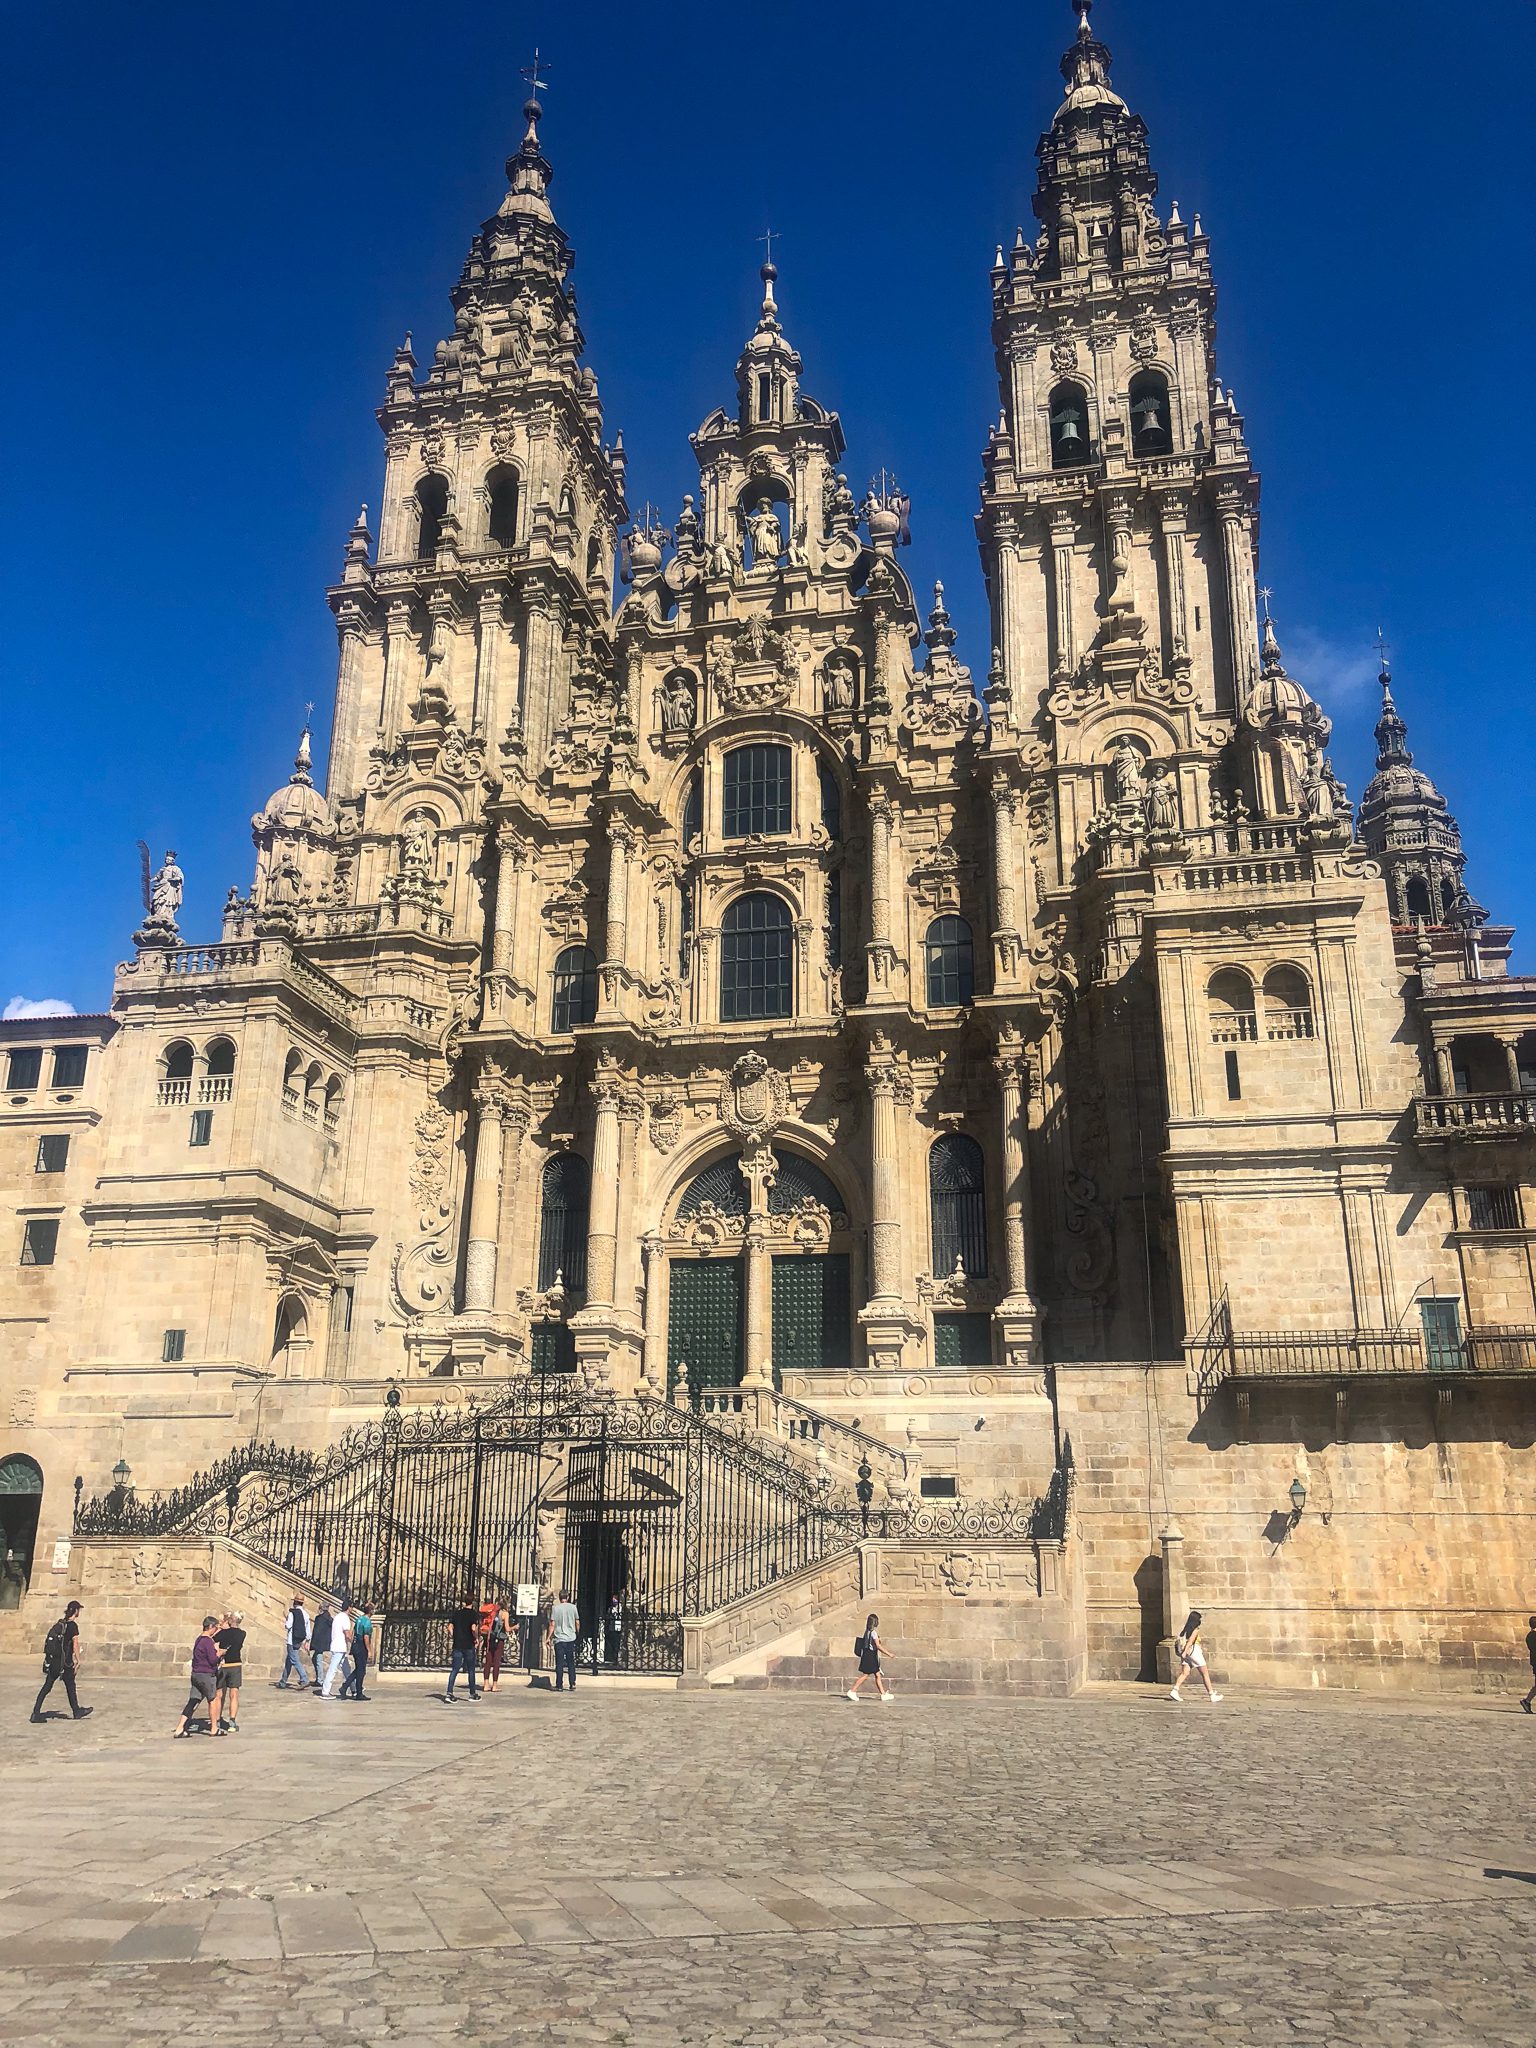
[{"x": 646, "y": 1867}]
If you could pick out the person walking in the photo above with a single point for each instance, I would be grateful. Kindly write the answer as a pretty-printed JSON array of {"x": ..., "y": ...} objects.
[
  {"x": 613, "y": 1632},
  {"x": 320, "y": 1638},
  {"x": 231, "y": 1641},
  {"x": 497, "y": 1635},
  {"x": 1186, "y": 1646},
  {"x": 363, "y": 1626},
  {"x": 61, "y": 1660},
  {"x": 1530, "y": 1644},
  {"x": 296, "y": 1636},
  {"x": 564, "y": 1628},
  {"x": 340, "y": 1658},
  {"x": 466, "y": 1646},
  {"x": 205, "y": 1681},
  {"x": 868, "y": 1648}
]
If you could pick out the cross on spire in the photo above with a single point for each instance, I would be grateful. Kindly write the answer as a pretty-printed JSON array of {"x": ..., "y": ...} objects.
[
  {"x": 531, "y": 74},
  {"x": 768, "y": 237},
  {"x": 1383, "y": 649}
]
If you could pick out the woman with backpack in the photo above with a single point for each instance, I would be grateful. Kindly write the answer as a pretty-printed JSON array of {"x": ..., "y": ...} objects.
[
  {"x": 498, "y": 1634},
  {"x": 1186, "y": 1647},
  {"x": 868, "y": 1648}
]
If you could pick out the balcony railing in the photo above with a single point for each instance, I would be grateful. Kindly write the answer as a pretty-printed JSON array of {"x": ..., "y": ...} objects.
[
  {"x": 1474, "y": 1116},
  {"x": 170, "y": 1093},
  {"x": 216, "y": 1088},
  {"x": 1501, "y": 1350},
  {"x": 1334, "y": 1355}
]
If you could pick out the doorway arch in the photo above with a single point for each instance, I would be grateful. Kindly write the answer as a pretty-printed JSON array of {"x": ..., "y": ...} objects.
[{"x": 21, "y": 1502}]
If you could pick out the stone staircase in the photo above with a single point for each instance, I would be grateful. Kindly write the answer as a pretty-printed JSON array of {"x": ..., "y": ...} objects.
[{"x": 1006, "y": 1659}]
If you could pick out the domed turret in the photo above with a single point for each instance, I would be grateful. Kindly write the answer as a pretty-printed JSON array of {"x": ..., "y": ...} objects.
[{"x": 1408, "y": 826}]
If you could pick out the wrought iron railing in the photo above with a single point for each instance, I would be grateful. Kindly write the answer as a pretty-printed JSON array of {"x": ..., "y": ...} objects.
[
  {"x": 1501, "y": 1350},
  {"x": 1350, "y": 1354}
]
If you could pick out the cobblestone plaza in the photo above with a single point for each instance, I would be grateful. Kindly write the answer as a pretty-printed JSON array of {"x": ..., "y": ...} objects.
[{"x": 638, "y": 1867}]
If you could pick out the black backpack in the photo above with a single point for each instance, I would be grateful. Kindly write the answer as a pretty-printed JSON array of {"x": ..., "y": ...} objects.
[
  {"x": 53, "y": 1646},
  {"x": 859, "y": 1643}
]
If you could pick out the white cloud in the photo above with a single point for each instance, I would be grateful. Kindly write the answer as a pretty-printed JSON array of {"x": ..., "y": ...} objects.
[
  {"x": 1338, "y": 676},
  {"x": 44, "y": 1006}
]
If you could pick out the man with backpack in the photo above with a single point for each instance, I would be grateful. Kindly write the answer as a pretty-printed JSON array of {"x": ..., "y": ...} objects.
[
  {"x": 298, "y": 1636},
  {"x": 61, "y": 1659},
  {"x": 320, "y": 1639}
]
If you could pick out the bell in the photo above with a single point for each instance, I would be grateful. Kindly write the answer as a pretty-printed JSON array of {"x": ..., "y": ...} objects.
[{"x": 1068, "y": 427}]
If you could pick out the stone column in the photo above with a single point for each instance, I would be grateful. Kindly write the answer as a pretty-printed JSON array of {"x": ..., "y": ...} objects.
[
  {"x": 399, "y": 647},
  {"x": 603, "y": 1219},
  {"x": 1006, "y": 942},
  {"x": 1172, "y": 508},
  {"x": 511, "y": 851},
  {"x": 1237, "y": 565},
  {"x": 882, "y": 951},
  {"x": 543, "y": 633},
  {"x": 631, "y": 1116},
  {"x": 491, "y": 1105},
  {"x": 1063, "y": 535},
  {"x": 620, "y": 839},
  {"x": 488, "y": 652},
  {"x": 1512, "y": 1062},
  {"x": 1175, "y": 1597},
  {"x": 885, "y": 1187},
  {"x": 1445, "y": 1069},
  {"x": 759, "y": 1172},
  {"x": 653, "y": 1363},
  {"x": 514, "y": 1128},
  {"x": 345, "y": 737},
  {"x": 1010, "y": 1069}
]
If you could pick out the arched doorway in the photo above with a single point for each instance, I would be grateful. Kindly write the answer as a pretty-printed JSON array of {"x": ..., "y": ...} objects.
[
  {"x": 805, "y": 1300},
  {"x": 21, "y": 1500}
]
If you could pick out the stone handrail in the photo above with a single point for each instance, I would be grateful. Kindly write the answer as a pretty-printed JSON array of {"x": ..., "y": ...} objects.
[{"x": 1439, "y": 1116}]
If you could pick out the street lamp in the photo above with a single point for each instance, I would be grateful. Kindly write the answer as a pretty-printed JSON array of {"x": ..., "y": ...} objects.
[
  {"x": 1298, "y": 1500},
  {"x": 122, "y": 1475}
]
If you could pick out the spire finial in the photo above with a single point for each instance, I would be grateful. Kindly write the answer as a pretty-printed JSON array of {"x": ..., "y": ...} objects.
[
  {"x": 769, "y": 271},
  {"x": 1384, "y": 651},
  {"x": 531, "y": 107},
  {"x": 1082, "y": 9},
  {"x": 302, "y": 759}
]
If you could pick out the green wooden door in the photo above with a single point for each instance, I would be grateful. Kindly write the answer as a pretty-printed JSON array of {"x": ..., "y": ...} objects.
[
  {"x": 704, "y": 1323},
  {"x": 810, "y": 1313}
]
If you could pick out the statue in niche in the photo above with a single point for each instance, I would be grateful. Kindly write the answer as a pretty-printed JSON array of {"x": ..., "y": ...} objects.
[
  {"x": 416, "y": 845},
  {"x": 765, "y": 533},
  {"x": 1317, "y": 801},
  {"x": 1162, "y": 801},
  {"x": 678, "y": 709},
  {"x": 839, "y": 681},
  {"x": 1125, "y": 773},
  {"x": 285, "y": 885},
  {"x": 722, "y": 559}
]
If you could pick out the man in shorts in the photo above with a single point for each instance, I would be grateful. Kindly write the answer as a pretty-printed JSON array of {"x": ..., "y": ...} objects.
[{"x": 231, "y": 1642}]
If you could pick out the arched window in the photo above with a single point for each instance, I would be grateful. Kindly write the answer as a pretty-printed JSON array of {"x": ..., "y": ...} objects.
[
  {"x": 1069, "y": 426},
  {"x": 594, "y": 557},
  {"x": 290, "y": 1333},
  {"x": 1287, "y": 1004},
  {"x": 757, "y": 785},
  {"x": 1447, "y": 899},
  {"x": 333, "y": 1102},
  {"x": 502, "y": 488},
  {"x": 1419, "y": 905},
  {"x": 1229, "y": 995},
  {"x": 431, "y": 510},
  {"x": 957, "y": 1205},
  {"x": 178, "y": 1061},
  {"x": 951, "y": 963},
  {"x": 1151, "y": 414},
  {"x": 721, "y": 1185},
  {"x": 831, "y": 801},
  {"x": 575, "y": 997},
  {"x": 565, "y": 1196},
  {"x": 800, "y": 1180},
  {"x": 756, "y": 962},
  {"x": 221, "y": 1057},
  {"x": 693, "y": 810}
]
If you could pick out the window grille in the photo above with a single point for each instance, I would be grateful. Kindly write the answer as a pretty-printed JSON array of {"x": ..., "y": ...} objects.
[
  {"x": 957, "y": 1205},
  {"x": 756, "y": 964},
  {"x": 951, "y": 964},
  {"x": 800, "y": 1180},
  {"x": 566, "y": 1192},
  {"x": 575, "y": 996},
  {"x": 1494, "y": 1206},
  {"x": 962, "y": 1339},
  {"x": 720, "y": 1183},
  {"x": 552, "y": 1348},
  {"x": 756, "y": 796}
]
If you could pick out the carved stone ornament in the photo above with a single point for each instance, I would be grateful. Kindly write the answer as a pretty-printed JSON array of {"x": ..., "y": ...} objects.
[
  {"x": 422, "y": 1273},
  {"x": 666, "y": 1122},
  {"x": 565, "y": 912},
  {"x": 936, "y": 877},
  {"x": 753, "y": 1099},
  {"x": 1143, "y": 338},
  {"x": 759, "y": 672},
  {"x": 1063, "y": 355}
]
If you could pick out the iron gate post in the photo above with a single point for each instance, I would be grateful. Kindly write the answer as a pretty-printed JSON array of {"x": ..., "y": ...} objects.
[{"x": 472, "y": 1592}]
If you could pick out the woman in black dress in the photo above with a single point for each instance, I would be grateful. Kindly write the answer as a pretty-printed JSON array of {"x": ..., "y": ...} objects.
[{"x": 868, "y": 1648}]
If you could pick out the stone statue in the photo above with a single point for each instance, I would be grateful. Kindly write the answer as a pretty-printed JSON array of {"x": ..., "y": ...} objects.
[
  {"x": 162, "y": 893},
  {"x": 1162, "y": 801},
  {"x": 839, "y": 681},
  {"x": 416, "y": 845},
  {"x": 722, "y": 559},
  {"x": 838, "y": 503},
  {"x": 765, "y": 534},
  {"x": 678, "y": 710},
  {"x": 1125, "y": 773},
  {"x": 1316, "y": 791}
]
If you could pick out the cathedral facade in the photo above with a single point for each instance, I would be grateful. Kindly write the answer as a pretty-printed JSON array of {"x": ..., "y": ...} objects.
[{"x": 723, "y": 996}]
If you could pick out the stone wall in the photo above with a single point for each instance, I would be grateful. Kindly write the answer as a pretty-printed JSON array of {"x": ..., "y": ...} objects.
[{"x": 1411, "y": 1565}]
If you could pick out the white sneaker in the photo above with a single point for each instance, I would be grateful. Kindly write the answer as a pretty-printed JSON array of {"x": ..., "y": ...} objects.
[
  {"x": 1177, "y": 1695},
  {"x": 851, "y": 1696},
  {"x": 886, "y": 1697},
  {"x": 1215, "y": 1696}
]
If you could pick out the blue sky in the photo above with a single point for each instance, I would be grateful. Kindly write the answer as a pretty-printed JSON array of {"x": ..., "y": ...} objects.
[{"x": 219, "y": 222}]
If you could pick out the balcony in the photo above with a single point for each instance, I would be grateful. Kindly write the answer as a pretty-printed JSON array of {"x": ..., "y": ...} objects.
[
  {"x": 170, "y": 1093},
  {"x": 1474, "y": 1116}
]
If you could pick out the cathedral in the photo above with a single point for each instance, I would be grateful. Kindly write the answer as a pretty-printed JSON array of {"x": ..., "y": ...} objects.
[{"x": 692, "y": 988}]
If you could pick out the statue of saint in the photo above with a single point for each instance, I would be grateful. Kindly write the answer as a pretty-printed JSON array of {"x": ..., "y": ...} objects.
[
  {"x": 162, "y": 891},
  {"x": 765, "y": 534},
  {"x": 1162, "y": 801},
  {"x": 839, "y": 681},
  {"x": 1125, "y": 773},
  {"x": 416, "y": 844},
  {"x": 677, "y": 702}
]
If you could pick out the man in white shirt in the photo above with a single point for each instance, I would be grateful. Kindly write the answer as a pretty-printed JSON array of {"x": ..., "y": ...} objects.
[{"x": 341, "y": 1642}]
